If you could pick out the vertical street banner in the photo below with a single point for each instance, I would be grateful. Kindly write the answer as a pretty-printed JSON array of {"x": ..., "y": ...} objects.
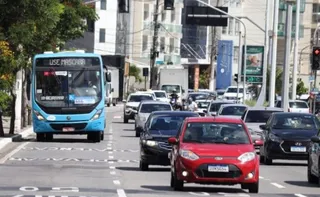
[
  {"x": 254, "y": 60},
  {"x": 224, "y": 64}
]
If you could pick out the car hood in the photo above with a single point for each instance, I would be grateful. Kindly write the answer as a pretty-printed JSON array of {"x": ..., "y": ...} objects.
[
  {"x": 225, "y": 150},
  {"x": 230, "y": 116},
  {"x": 161, "y": 135},
  {"x": 162, "y": 99},
  {"x": 294, "y": 134},
  {"x": 132, "y": 104}
]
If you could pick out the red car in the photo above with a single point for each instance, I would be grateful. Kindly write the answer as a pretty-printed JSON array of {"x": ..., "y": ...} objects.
[{"x": 214, "y": 150}]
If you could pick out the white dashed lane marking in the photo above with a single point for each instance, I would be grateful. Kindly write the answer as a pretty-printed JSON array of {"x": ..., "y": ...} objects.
[
  {"x": 278, "y": 185},
  {"x": 116, "y": 182},
  {"x": 300, "y": 195},
  {"x": 117, "y": 117},
  {"x": 121, "y": 193}
]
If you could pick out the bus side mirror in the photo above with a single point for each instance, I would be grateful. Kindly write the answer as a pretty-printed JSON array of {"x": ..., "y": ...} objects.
[
  {"x": 108, "y": 77},
  {"x": 112, "y": 90}
]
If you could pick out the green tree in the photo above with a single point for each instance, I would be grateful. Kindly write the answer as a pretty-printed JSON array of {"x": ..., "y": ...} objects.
[
  {"x": 42, "y": 25},
  {"x": 204, "y": 79},
  {"x": 301, "y": 89},
  {"x": 278, "y": 87},
  {"x": 134, "y": 71}
]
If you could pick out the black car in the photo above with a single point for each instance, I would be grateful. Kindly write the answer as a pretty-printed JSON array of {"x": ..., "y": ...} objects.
[
  {"x": 287, "y": 136},
  {"x": 160, "y": 126}
]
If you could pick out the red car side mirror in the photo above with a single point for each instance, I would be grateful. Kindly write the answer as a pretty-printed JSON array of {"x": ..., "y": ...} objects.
[
  {"x": 258, "y": 143},
  {"x": 172, "y": 140}
]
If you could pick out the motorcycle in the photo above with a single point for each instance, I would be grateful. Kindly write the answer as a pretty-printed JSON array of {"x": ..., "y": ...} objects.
[{"x": 173, "y": 103}]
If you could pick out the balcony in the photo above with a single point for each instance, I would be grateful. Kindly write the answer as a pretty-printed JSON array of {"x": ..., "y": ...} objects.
[
  {"x": 282, "y": 29},
  {"x": 283, "y": 6},
  {"x": 172, "y": 28}
]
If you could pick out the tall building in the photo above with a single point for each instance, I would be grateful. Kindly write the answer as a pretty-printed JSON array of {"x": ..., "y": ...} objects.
[
  {"x": 101, "y": 35},
  {"x": 141, "y": 33}
]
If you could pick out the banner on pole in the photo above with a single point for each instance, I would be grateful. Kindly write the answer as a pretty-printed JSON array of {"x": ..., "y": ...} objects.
[{"x": 224, "y": 64}]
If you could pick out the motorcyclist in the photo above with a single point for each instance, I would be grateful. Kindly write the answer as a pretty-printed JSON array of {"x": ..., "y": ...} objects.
[
  {"x": 192, "y": 105},
  {"x": 174, "y": 94}
]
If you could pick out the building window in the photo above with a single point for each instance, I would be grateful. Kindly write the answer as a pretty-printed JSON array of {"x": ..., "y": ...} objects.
[
  {"x": 144, "y": 43},
  {"x": 231, "y": 26},
  {"x": 224, "y": 30},
  {"x": 90, "y": 24},
  {"x": 282, "y": 16},
  {"x": 163, "y": 15},
  {"x": 146, "y": 11},
  {"x": 162, "y": 44},
  {"x": 235, "y": 54},
  {"x": 171, "y": 45},
  {"x": 103, "y": 4},
  {"x": 102, "y": 35},
  {"x": 173, "y": 15},
  {"x": 237, "y": 28}
]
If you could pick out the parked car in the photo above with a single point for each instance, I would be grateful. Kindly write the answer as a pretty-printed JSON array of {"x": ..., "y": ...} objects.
[
  {"x": 287, "y": 136},
  {"x": 214, "y": 150},
  {"x": 154, "y": 146},
  {"x": 145, "y": 109}
]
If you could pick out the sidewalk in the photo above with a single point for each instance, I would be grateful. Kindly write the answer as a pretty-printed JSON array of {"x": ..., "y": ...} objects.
[{"x": 16, "y": 136}]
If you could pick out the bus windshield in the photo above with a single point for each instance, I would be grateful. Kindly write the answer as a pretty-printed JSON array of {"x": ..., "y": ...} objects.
[{"x": 68, "y": 82}]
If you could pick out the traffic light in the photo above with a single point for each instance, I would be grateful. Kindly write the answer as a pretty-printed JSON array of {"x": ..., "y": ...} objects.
[
  {"x": 168, "y": 4},
  {"x": 316, "y": 58},
  {"x": 236, "y": 78},
  {"x": 123, "y": 6}
]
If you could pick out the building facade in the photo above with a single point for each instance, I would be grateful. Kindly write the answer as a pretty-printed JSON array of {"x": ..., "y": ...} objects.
[{"x": 101, "y": 35}]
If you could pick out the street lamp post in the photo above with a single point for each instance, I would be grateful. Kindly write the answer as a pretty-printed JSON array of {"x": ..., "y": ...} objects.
[{"x": 244, "y": 43}]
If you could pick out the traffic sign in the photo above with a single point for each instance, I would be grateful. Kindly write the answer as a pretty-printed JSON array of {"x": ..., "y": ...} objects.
[
  {"x": 206, "y": 16},
  {"x": 253, "y": 79}
]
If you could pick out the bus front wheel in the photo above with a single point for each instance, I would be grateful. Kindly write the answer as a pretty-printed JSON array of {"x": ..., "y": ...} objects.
[{"x": 94, "y": 136}]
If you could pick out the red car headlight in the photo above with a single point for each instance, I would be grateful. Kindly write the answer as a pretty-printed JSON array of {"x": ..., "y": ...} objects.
[
  {"x": 188, "y": 155},
  {"x": 248, "y": 156}
]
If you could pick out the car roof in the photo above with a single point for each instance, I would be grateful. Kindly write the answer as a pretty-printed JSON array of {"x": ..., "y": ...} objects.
[
  {"x": 199, "y": 93},
  {"x": 140, "y": 93},
  {"x": 222, "y": 101},
  {"x": 234, "y": 104},
  {"x": 158, "y": 91},
  {"x": 174, "y": 113},
  {"x": 292, "y": 114},
  {"x": 265, "y": 109},
  {"x": 215, "y": 119},
  {"x": 154, "y": 102},
  {"x": 203, "y": 100}
]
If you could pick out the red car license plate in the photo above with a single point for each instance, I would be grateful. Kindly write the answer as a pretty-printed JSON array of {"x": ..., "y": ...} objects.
[{"x": 67, "y": 129}]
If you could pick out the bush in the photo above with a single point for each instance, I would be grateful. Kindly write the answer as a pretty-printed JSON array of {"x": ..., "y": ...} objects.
[{"x": 5, "y": 101}]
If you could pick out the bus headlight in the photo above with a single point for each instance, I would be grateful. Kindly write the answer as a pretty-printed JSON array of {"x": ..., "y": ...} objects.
[
  {"x": 39, "y": 116},
  {"x": 96, "y": 115}
]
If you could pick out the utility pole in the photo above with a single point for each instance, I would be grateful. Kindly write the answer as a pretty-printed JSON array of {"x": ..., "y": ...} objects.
[
  {"x": 296, "y": 47},
  {"x": 286, "y": 67},
  {"x": 262, "y": 95},
  {"x": 212, "y": 55},
  {"x": 125, "y": 31},
  {"x": 272, "y": 88},
  {"x": 153, "y": 51}
]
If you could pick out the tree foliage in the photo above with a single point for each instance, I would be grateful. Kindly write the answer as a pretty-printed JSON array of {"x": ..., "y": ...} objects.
[
  {"x": 134, "y": 71},
  {"x": 204, "y": 78},
  {"x": 29, "y": 27},
  {"x": 301, "y": 89}
]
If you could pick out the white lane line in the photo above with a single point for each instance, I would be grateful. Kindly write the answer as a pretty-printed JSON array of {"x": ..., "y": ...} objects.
[
  {"x": 113, "y": 172},
  {"x": 116, "y": 117},
  {"x": 110, "y": 157},
  {"x": 278, "y": 185},
  {"x": 110, "y": 162},
  {"x": 112, "y": 167},
  {"x": 121, "y": 193},
  {"x": 110, "y": 152},
  {"x": 199, "y": 193},
  {"x": 10, "y": 154},
  {"x": 109, "y": 144},
  {"x": 116, "y": 182},
  {"x": 300, "y": 195},
  {"x": 260, "y": 177}
]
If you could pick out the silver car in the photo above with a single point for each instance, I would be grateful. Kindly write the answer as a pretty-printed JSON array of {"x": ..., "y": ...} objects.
[
  {"x": 215, "y": 106},
  {"x": 145, "y": 109},
  {"x": 256, "y": 116},
  {"x": 232, "y": 110}
]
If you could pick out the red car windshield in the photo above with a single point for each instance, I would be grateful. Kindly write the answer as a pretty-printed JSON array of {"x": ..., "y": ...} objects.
[{"x": 215, "y": 133}]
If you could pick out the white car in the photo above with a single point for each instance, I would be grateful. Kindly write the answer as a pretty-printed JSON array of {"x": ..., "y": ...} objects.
[
  {"x": 202, "y": 106},
  {"x": 132, "y": 103},
  {"x": 148, "y": 92},
  {"x": 145, "y": 109},
  {"x": 231, "y": 94},
  {"x": 295, "y": 106},
  {"x": 256, "y": 116},
  {"x": 232, "y": 110},
  {"x": 161, "y": 95}
]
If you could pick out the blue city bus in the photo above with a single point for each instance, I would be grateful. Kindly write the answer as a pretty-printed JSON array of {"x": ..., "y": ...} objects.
[{"x": 68, "y": 91}]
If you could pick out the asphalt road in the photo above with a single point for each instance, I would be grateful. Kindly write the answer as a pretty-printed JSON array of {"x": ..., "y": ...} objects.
[{"x": 71, "y": 166}]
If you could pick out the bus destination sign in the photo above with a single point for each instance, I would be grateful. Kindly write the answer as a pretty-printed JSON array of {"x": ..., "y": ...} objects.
[{"x": 68, "y": 62}]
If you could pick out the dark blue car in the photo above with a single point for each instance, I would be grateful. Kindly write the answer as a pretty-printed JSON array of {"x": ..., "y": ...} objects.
[
  {"x": 288, "y": 135},
  {"x": 160, "y": 126}
]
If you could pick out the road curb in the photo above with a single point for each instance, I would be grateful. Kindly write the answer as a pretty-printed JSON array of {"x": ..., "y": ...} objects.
[{"x": 18, "y": 137}]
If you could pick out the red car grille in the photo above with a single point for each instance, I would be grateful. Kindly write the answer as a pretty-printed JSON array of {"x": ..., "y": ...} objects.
[{"x": 234, "y": 172}]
